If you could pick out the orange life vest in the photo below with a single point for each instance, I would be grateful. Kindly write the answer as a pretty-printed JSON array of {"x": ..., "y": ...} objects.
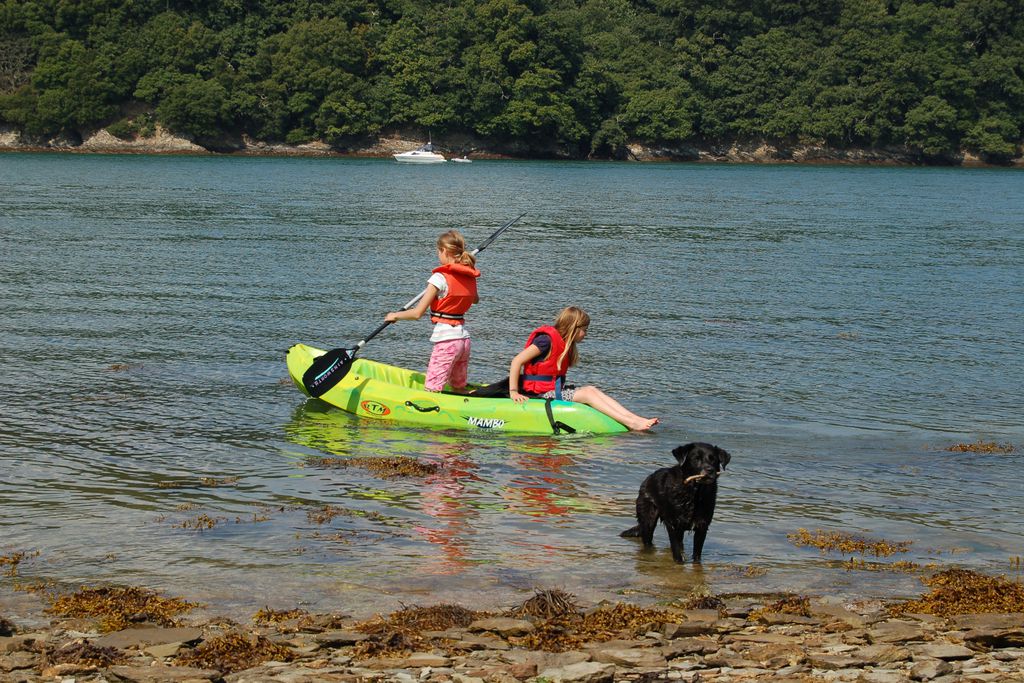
[
  {"x": 546, "y": 374},
  {"x": 461, "y": 294}
]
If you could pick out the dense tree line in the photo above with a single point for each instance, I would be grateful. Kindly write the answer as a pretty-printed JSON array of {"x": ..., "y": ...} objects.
[{"x": 934, "y": 76}]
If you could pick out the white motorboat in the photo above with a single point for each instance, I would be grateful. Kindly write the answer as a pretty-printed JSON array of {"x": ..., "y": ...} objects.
[
  {"x": 462, "y": 160},
  {"x": 423, "y": 155}
]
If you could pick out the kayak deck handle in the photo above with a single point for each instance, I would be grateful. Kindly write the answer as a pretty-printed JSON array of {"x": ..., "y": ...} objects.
[{"x": 410, "y": 404}]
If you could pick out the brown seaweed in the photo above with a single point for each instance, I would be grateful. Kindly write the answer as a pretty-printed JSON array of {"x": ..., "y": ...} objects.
[
  {"x": 401, "y": 631},
  {"x": 962, "y": 591},
  {"x": 235, "y": 652},
  {"x": 982, "y": 447},
  {"x": 790, "y": 604},
  {"x": 384, "y": 467},
  {"x": 117, "y": 608},
  {"x": 827, "y": 541},
  {"x": 83, "y": 652},
  {"x": 546, "y": 604}
]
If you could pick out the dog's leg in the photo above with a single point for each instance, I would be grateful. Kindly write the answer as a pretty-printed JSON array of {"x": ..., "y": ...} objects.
[
  {"x": 675, "y": 537},
  {"x": 699, "y": 534},
  {"x": 647, "y": 519}
]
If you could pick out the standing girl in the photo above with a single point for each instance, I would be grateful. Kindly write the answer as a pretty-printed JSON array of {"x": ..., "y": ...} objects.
[
  {"x": 450, "y": 291},
  {"x": 538, "y": 371}
]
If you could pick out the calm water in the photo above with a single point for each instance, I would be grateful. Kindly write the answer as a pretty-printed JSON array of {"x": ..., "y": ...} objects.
[{"x": 835, "y": 329}]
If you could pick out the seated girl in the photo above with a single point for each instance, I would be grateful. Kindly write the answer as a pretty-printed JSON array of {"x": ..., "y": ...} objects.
[{"x": 538, "y": 371}]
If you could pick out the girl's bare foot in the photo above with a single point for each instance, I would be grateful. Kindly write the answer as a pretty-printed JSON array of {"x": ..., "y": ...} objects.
[{"x": 643, "y": 424}]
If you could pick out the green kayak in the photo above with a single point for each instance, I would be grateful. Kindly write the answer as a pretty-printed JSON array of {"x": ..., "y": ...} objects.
[{"x": 385, "y": 392}]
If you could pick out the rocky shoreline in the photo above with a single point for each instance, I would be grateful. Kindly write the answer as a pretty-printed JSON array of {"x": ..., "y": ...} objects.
[
  {"x": 755, "y": 151},
  {"x": 547, "y": 639}
]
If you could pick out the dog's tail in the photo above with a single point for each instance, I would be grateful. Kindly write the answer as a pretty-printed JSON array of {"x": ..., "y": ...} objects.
[{"x": 631, "y": 532}]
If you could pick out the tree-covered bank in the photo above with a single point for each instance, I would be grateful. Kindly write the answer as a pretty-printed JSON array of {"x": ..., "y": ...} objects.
[{"x": 586, "y": 77}]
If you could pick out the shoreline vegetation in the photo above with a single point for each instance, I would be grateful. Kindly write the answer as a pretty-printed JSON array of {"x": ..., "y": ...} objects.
[
  {"x": 936, "y": 82},
  {"x": 968, "y": 627},
  {"x": 161, "y": 141}
]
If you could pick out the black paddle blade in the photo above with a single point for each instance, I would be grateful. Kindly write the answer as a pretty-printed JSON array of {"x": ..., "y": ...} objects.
[{"x": 326, "y": 371}]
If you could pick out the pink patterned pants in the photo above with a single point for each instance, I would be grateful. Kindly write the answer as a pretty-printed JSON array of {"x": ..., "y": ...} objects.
[{"x": 449, "y": 363}]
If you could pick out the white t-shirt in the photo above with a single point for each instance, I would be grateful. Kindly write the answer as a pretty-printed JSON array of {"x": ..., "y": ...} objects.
[{"x": 444, "y": 331}]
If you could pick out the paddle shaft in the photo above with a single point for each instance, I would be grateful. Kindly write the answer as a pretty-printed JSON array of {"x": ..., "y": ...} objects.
[{"x": 415, "y": 299}]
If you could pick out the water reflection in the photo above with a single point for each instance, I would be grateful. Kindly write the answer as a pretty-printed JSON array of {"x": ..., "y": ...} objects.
[
  {"x": 659, "y": 575},
  {"x": 449, "y": 525},
  {"x": 544, "y": 484},
  {"x": 466, "y": 513}
]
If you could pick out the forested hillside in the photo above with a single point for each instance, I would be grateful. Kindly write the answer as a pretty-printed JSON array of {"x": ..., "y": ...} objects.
[{"x": 933, "y": 76}]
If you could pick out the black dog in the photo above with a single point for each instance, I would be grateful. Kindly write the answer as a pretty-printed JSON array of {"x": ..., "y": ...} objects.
[{"x": 683, "y": 497}]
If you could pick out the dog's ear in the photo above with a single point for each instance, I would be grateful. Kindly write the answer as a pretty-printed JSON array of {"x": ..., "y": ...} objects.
[
  {"x": 723, "y": 456},
  {"x": 681, "y": 453}
]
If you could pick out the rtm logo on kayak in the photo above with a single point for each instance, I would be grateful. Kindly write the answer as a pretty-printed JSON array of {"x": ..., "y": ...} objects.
[
  {"x": 374, "y": 408},
  {"x": 486, "y": 422}
]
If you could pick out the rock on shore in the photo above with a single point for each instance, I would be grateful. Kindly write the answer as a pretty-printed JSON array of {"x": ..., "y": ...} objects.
[{"x": 742, "y": 642}]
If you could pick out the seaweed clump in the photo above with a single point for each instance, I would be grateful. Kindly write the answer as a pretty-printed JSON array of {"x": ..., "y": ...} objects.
[
  {"x": 124, "y": 367},
  {"x": 608, "y": 623},
  {"x": 900, "y": 567},
  {"x": 327, "y": 513},
  {"x": 982, "y": 447},
  {"x": 235, "y": 652},
  {"x": 571, "y": 631},
  {"x": 546, "y": 604},
  {"x": 384, "y": 467},
  {"x": 790, "y": 604},
  {"x": 962, "y": 591},
  {"x": 200, "y": 523},
  {"x": 295, "y": 620},
  {"x": 705, "y": 602},
  {"x": 120, "y": 607},
  {"x": 10, "y": 562},
  {"x": 401, "y": 631},
  {"x": 560, "y": 625},
  {"x": 267, "y": 616},
  {"x": 827, "y": 541},
  {"x": 84, "y": 653}
]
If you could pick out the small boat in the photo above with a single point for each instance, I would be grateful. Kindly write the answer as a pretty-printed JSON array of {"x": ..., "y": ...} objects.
[
  {"x": 387, "y": 393},
  {"x": 423, "y": 155},
  {"x": 462, "y": 160}
]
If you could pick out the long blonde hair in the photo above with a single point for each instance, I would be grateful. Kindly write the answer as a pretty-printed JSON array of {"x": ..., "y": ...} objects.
[
  {"x": 454, "y": 244},
  {"x": 569, "y": 322}
]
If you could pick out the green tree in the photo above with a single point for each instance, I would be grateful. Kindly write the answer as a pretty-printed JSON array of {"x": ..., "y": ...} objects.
[
  {"x": 194, "y": 106},
  {"x": 311, "y": 64},
  {"x": 72, "y": 88},
  {"x": 931, "y": 127},
  {"x": 417, "y": 72},
  {"x": 995, "y": 137}
]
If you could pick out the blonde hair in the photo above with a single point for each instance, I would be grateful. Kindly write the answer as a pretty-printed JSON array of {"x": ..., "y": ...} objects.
[
  {"x": 454, "y": 244},
  {"x": 569, "y": 322}
]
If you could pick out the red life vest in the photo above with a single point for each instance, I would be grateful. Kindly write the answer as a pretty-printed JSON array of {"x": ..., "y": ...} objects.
[
  {"x": 461, "y": 294},
  {"x": 544, "y": 375}
]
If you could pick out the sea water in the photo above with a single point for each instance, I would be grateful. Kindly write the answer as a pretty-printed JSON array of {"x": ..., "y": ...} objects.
[{"x": 836, "y": 329}]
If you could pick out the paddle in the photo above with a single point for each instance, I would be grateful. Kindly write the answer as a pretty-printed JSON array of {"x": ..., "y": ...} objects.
[{"x": 330, "y": 368}]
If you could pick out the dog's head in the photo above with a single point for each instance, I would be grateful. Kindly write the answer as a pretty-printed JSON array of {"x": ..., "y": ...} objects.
[{"x": 702, "y": 459}]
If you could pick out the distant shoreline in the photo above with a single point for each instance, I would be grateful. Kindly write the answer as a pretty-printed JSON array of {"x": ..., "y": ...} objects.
[{"x": 750, "y": 152}]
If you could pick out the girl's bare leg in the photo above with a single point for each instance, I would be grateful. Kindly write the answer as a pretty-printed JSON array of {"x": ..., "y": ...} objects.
[{"x": 595, "y": 398}]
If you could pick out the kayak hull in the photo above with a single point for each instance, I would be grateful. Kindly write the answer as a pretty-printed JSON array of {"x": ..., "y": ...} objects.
[{"x": 383, "y": 392}]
